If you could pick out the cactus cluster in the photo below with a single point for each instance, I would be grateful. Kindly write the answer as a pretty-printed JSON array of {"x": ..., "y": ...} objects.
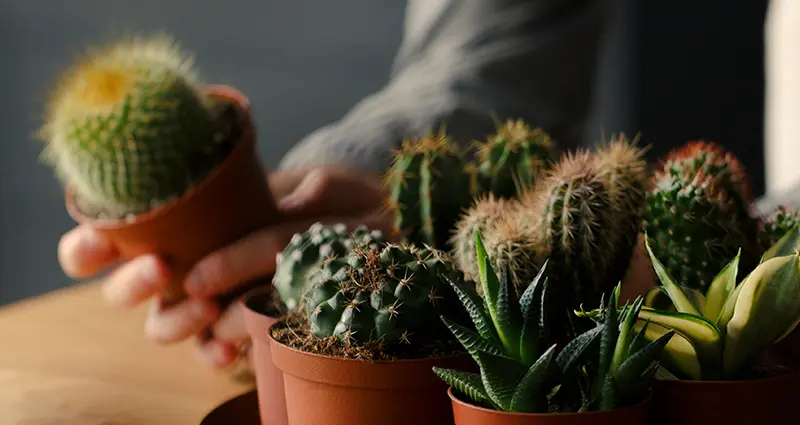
[
  {"x": 129, "y": 128},
  {"x": 306, "y": 251},
  {"x": 776, "y": 224}
]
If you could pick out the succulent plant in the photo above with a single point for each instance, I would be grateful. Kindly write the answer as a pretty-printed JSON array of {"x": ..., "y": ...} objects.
[
  {"x": 721, "y": 333},
  {"x": 393, "y": 294},
  {"x": 429, "y": 186},
  {"x": 129, "y": 128},
  {"x": 511, "y": 159},
  {"x": 487, "y": 210},
  {"x": 521, "y": 369},
  {"x": 698, "y": 213},
  {"x": 306, "y": 251},
  {"x": 776, "y": 224}
]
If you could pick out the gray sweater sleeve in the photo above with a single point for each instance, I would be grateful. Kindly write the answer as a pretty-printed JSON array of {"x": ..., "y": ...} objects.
[{"x": 464, "y": 63}]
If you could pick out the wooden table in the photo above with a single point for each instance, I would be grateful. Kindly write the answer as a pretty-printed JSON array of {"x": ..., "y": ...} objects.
[{"x": 68, "y": 359}]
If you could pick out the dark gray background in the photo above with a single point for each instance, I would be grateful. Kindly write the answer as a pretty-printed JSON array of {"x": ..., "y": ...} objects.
[{"x": 672, "y": 70}]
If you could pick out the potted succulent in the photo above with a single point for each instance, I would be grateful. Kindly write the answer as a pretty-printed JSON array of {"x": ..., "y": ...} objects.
[
  {"x": 362, "y": 347},
  {"x": 602, "y": 376},
  {"x": 717, "y": 367},
  {"x": 153, "y": 159}
]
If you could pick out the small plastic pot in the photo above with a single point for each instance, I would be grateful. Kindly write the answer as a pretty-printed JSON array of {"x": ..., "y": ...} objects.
[
  {"x": 468, "y": 414},
  {"x": 269, "y": 380},
  {"x": 233, "y": 201},
  {"x": 323, "y": 390},
  {"x": 770, "y": 401}
]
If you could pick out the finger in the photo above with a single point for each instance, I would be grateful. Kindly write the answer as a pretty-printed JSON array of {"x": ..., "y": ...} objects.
[
  {"x": 333, "y": 191},
  {"x": 230, "y": 326},
  {"x": 136, "y": 281},
  {"x": 216, "y": 353},
  {"x": 82, "y": 252},
  {"x": 282, "y": 183},
  {"x": 178, "y": 322}
]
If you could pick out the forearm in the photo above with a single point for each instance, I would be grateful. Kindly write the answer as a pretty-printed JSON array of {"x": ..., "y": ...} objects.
[{"x": 463, "y": 64}]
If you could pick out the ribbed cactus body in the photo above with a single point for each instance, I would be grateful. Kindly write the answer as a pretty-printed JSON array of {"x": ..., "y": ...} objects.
[
  {"x": 306, "y": 251},
  {"x": 776, "y": 224},
  {"x": 129, "y": 128},
  {"x": 393, "y": 294},
  {"x": 429, "y": 186},
  {"x": 697, "y": 214},
  {"x": 511, "y": 159}
]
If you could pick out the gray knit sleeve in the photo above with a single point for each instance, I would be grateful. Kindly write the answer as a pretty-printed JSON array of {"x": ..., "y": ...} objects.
[{"x": 464, "y": 63}]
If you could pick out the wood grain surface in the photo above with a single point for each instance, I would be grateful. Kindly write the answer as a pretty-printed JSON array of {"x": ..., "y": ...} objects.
[{"x": 66, "y": 358}]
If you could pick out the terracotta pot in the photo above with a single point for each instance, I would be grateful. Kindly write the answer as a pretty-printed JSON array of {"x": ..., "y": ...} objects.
[
  {"x": 233, "y": 201},
  {"x": 761, "y": 401},
  {"x": 269, "y": 380},
  {"x": 469, "y": 414},
  {"x": 323, "y": 390}
]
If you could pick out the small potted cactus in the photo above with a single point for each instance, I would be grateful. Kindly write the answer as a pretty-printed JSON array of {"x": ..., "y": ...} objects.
[
  {"x": 718, "y": 365},
  {"x": 362, "y": 347},
  {"x": 602, "y": 376},
  {"x": 153, "y": 159}
]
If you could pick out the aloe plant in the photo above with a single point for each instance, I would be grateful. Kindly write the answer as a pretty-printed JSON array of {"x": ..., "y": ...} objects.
[
  {"x": 721, "y": 333},
  {"x": 521, "y": 370}
]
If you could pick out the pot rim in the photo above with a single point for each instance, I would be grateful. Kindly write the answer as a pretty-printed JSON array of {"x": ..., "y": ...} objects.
[
  {"x": 471, "y": 406},
  {"x": 246, "y": 141},
  {"x": 324, "y": 357},
  {"x": 695, "y": 382}
]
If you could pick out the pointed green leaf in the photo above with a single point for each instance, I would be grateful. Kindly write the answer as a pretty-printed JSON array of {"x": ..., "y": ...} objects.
[
  {"x": 625, "y": 335},
  {"x": 500, "y": 376},
  {"x": 679, "y": 299},
  {"x": 575, "y": 351},
  {"x": 467, "y": 383},
  {"x": 534, "y": 325},
  {"x": 631, "y": 370},
  {"x": 476, "y": 309},
  {"x": 531, "y": 393},
  {"x": 658, "y": 299},
  {"x": 640, "y": 340},
  {"x": 509, "y": 317},
  {"x": 470, "y": 340},
  {"x": 491, "y": 300},
  {"x": 608, "y": 397},
  {"x": 726, "y": 314},
  {"x": 768, "y": 308},
  {"x": 786, "y": 245},
  {"x": 530, "y": 295},
  {"x": 488, "y": 277},
  {"x": 608, "y": 342},
  {"x": 721, "y": 288},
  {"x": 679, "y": 356}
]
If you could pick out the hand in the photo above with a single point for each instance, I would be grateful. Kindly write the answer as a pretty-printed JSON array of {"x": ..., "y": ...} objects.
[{"x": 326, "y": 194}]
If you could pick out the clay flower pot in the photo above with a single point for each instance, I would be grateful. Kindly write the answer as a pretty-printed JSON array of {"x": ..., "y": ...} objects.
[
  {"x": 269, "y": 380},
  {"x": 468, "y": 414},
  {"x": 323, "y": 390},
  {"x": 761, "y": 401},
  {"x": 233, "y": 201}
]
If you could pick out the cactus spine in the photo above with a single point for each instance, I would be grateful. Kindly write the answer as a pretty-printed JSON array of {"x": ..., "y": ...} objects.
[
  {"x": 429, "y": 186},
  {"x": 776, "y": 224},
  {"x": 129, "y": 128}
]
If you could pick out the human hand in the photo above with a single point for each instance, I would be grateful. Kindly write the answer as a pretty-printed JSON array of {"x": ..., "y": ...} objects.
[{"x": 326, "y": 194}]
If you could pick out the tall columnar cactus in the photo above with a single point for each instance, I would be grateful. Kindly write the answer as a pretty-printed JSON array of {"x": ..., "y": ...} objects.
[
  {"x": 510, "y": 160},
  {"x": 306, "y": 251},
  {"x": 429, "y": 186},
  {"x": 776, "y": 224},
  {"x": 621, "y": 165},
  {"x": 698, "y": 214},
  {"x": 486, "y": 212},
  {"x": 128, "y": 128},
  {"x": 393, "y": 294}
]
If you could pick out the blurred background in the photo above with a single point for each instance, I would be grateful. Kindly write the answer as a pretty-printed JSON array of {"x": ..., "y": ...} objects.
[{"x": 671, "y": 70}]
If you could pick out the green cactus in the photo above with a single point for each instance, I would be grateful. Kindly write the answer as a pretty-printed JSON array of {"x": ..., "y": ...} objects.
[
  {"x": 129, "y": 129},
  {"x": 510, "y": 160},
  {"x": 392, "y": 294},
  {"x": 776, "y": 224},
  {"x": 698, "y": 215},
  {"x": 306, "y": 251},
  {"x": 607, "y": 367},
  {"x": 429, "y": 186}
]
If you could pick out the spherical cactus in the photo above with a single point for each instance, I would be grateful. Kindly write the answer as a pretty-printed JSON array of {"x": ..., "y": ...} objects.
[
  {"x": 697, "y": 215},
  {"x": 429, "y": 186},
  {"x": 129, "y": 129},
  {"x": 776, "y": 224},
  {"x": 510, "y": 160},
  {"x": 306, "y": 251},
  {"x": 394, "y": 294}
]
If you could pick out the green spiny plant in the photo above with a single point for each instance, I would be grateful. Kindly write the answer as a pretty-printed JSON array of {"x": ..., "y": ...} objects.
[
  {"x": 484, "y": 213},
  {"x": 607, "y": 367},
  {"x": 698, "y": 215},
  {"x": 775, "y": 224},
  {"x": 510, "y": 160},
  {"x": 306, "y": 251},
  {"x": 128, "y": 128},
  {"x": 429, "y": 186},
  {"x": 392, "y": 294}
]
